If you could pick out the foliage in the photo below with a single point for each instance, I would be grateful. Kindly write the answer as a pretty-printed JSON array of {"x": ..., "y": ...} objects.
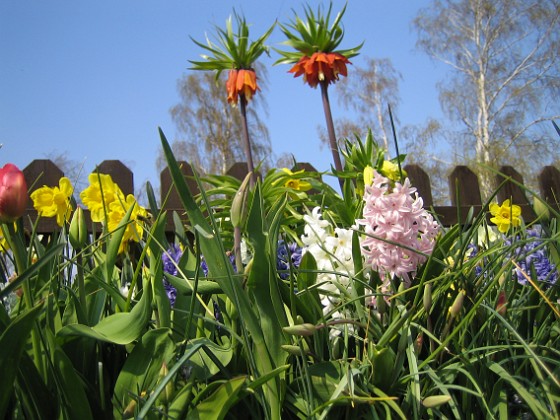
[
  {"x": 279, "y": 297},
  {"x": 374, "y": 88},
  {"x": 210, "y": 129},
  {"x": 309, "y": 330},
  {"x": 504, "y": 83}
]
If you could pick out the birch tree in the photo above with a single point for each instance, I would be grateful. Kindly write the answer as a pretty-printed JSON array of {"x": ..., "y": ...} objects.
[{"x": 504, "y": 80}]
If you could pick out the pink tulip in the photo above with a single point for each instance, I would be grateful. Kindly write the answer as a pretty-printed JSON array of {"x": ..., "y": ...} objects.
[{"x": 13, "y": 193}]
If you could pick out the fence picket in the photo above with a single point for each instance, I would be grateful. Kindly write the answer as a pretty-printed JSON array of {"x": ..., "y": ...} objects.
[{"x": 464, "y": 190}]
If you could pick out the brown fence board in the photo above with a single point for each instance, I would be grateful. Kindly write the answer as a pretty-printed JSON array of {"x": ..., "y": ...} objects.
[{"x": 464, "y": 190}]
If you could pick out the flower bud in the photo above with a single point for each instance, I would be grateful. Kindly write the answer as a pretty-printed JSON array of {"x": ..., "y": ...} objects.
[
  {"x": 13, "y": 193},
  {"x": 457, "y": 304},
  {"x": 78, "y": 232},
  {"x": 427, "y": 297},
  {"x": 368, "y": 175},
  {"x": 293, "y": 350},
  {"x": 239, "y": 204},
  {"x": 304, "y": 330},
  {"x": 501, "y": 304},
  {"x": 167, "y": 393},
  {"x": 541, "y": 209},
  {"x": 435, "y": 400}
]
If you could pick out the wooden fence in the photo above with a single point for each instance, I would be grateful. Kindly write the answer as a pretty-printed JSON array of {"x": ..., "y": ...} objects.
[{"x": 464, "y": 189}]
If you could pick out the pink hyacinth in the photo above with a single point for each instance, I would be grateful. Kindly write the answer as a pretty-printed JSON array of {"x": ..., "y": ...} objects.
[{"x": 400, "y": 233}]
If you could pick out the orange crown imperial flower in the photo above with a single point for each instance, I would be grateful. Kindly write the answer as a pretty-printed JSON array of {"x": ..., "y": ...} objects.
[
  {"x": 321, "y": 67},
  {"x": 234, "y": 52},
  {"x": 315, "y": 40},
  {"x": 241, "y": 82}
]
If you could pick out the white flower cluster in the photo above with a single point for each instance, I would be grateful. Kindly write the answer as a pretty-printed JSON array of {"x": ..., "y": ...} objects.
[{"x": 332, "y": 250}]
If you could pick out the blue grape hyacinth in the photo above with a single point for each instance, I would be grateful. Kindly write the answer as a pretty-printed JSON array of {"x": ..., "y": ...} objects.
[
  {"x": 531, "y": 257},
  {"x": 287, "y": 254},
  {"x": 170, "y": 260}
]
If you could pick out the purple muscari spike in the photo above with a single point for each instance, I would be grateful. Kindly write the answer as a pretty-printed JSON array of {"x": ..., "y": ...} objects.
[
  {"x": 204, "y": 267},
  {"x": 287, "y": 254},
  {"x": 170, "y": 259},
  {"x": 531, "y": 256}
]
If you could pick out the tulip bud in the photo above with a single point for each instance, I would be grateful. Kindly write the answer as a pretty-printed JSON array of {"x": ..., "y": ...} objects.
[
  {"x": 13, "y": 193},
  {"x": 239, "y": 204},
  {"x": 78, "y": 229},
  {"x": 501, "y": 304},
  {"x": 419, "y": 342}
]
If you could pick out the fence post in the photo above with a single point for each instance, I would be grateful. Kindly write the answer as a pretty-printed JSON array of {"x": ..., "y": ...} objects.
[
  {"x": 509, "y": 179},
  {"x": 420, "y": 179},
  {"x": 120, "y": 174},
  {"x": 549, "y": 184},
  {"x": 39, "y": 173},
  {"x": 169, "y": 196},
  {"x": 463, "y": 187}
]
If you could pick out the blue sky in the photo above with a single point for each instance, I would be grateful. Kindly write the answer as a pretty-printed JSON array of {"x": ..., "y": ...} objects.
[{"x": 95, "y": 79}]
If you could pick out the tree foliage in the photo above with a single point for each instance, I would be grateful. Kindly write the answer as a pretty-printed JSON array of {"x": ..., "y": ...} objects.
[
  {"x": 504, "y": 56},
  {"x": 370, "y": 91},
  {"x": 210, "y": 129}
]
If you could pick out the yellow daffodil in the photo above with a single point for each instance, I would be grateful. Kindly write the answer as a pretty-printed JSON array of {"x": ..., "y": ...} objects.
[
  {"x": 54, "y": 201},
  {"x": 102, "y": 191},
  {"x": 134, "y": 229},
  {"x": 505, "y": 215},
  {"x": 294, "y": 182}
]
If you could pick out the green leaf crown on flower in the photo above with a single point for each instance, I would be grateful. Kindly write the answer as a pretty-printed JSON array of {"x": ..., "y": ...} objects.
[
  {"x": 314, "y": 34},
  {"x": 233, "y": 51}
]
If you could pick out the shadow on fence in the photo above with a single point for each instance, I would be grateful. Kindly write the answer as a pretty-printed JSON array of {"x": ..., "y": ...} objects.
[{"x": 464, "y": 189}]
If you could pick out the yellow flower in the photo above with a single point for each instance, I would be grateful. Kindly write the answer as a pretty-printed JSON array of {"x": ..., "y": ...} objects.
[
  {"x": 102, "y": 191},
  {"x": 133, "y": 230},
  {"x": 391, "y": 170},
  {"x": 296, "y": 183},
  {"x": 55, "y": 201},
  {"x": 4, "y": 245},
  {"x": 368, "y": 175},
  {"x": 505, "y": 215}
]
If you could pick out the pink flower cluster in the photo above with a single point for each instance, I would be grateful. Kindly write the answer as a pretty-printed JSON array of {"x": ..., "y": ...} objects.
[{"x": 399, "y": 231}]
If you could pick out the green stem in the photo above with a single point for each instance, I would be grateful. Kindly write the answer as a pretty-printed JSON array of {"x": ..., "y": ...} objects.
[
  {"x": 80, "y": 279},
  {"x": 330, "y": 129},
  {"x": 246, "y": 139},
  {"x": 18, "y": 250}
]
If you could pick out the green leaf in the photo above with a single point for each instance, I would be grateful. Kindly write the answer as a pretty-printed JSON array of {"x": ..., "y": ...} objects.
[
  {"x": 119, "y": 328},
  {"x": 71, "y": 387},
  {"x": 12, "y": 345},
  {"x": 217, "y": 405},
  {"x": 220, "y": 270},
  {"x": 203, "y": 365},
  {"x": 534, "y": 405},
  {"x": 142, "y": 367},
  {"x": 32, "y": 269},
  {"x": 114, "y": 244}
]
